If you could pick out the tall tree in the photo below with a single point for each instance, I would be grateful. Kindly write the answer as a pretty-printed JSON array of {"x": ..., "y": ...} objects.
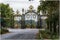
[
  {"x": 6, "y": 15},
  {"x": 52, "y": 8}
]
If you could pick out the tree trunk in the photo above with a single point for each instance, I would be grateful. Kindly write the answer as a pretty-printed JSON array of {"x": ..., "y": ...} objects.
[
  {"x": 50, "y": 27},
  {"x": 54, "y": 27}
]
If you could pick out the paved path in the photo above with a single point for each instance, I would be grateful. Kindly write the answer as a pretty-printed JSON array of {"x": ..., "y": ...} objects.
[{"x": 21, "y": 34}]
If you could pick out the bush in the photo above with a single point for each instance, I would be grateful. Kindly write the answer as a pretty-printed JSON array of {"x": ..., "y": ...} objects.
[
  {"x": 3, "y": 31},
  {"x": 47, "y": 35}
]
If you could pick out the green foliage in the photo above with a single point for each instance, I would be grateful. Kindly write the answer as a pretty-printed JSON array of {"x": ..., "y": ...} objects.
[
  {"x": 47, "y": 35},
  {"x": 27, "y": 26},
  {"x": 52, "y": 8},
  {"x": 6, "y": 15},
  {"x": 3, "y": 31},
  {"x": 33, "y": 26}
]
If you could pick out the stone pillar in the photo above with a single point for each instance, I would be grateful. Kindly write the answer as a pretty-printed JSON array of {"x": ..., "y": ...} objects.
[{"x": 23, "y": 21}]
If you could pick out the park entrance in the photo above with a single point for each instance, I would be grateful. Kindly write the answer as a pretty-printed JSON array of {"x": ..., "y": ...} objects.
[{"x": 30, "y": 19}]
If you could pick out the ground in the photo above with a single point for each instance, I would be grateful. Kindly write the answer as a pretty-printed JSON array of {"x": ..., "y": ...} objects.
[{"x": 20, "y": 34}]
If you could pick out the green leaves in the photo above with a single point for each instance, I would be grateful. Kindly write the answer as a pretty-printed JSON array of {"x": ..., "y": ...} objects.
[
  {"x": 6, "y": 14},
  {"x": 6, "y": 11},
  {"x": 53, "y": 10}
]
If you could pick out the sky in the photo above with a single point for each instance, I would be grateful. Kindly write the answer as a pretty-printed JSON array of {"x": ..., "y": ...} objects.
[{"x": 20, "y": 4}]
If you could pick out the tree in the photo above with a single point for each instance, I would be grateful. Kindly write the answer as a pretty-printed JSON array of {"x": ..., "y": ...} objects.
[
  {"x": 53, "y": 13},
  {"x": 6, "y": 15}
]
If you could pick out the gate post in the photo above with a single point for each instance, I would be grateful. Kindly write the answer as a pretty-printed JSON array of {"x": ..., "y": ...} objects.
[{"x": 23, "y": 21}]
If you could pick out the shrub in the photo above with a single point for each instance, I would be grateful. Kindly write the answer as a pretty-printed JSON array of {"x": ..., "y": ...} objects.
[
  {"x": 3, "y": 31},
  {"x": 47, "y": 35}
]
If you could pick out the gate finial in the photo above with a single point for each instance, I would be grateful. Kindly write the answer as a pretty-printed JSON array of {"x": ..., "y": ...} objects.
[{"x": 30, "y": 7}]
